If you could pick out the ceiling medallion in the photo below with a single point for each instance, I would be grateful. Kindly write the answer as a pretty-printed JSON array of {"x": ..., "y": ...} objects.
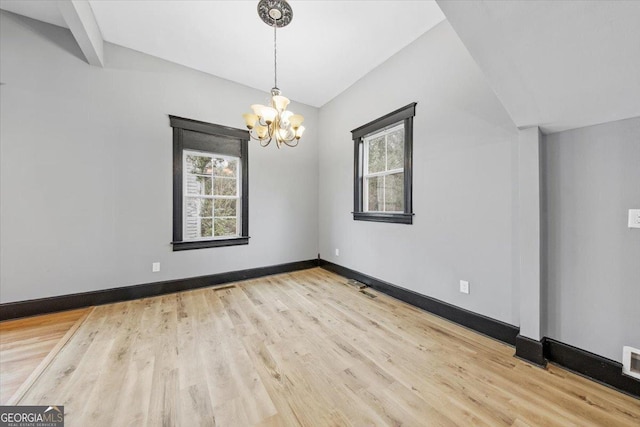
[{"x": 275, "y": 12}]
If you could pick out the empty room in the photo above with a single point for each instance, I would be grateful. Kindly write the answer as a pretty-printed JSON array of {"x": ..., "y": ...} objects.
[{"x": 319, "y": 213}]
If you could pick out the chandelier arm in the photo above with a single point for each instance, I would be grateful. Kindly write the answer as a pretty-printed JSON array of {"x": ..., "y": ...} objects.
[
  {"x": 289, "y": 144},
  {"x": 270, "y": 129},
  {"x": 264, "y": 142},
  {"x": 257, "y": 138},
  {"x": 290, "y": 139}
]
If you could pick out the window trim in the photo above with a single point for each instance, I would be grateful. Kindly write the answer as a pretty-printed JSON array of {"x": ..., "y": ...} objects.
[
  {"x": 180, "y": 125},
  {"x": 405, "y": 115}
]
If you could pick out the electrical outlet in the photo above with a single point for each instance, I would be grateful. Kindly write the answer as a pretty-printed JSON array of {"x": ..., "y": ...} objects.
[
  {"x": 155, "y": 267},
  {"x": 634, "y": 218},
  {"x": 337, "y": 252},
  {"x": 464, "y": 286},
  {"x": 631, "y": 361}
]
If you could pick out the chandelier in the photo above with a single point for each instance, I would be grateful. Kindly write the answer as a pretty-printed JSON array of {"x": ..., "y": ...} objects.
[{"x": 274, "y": 122}]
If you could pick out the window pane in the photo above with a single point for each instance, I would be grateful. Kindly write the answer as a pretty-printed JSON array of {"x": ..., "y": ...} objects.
[
  {"x": 394, "y": 192},
  {"x": 225, "y": 227},
  {"x": 225, "y": 207},
  {"x": 225, "y": 167},
  {"x": 195, "y": 225},
  {"x": 376, "y": 155},
  {"x": 201, "y": 185},
  {"x": 224, "y": 187},
  {"x": 206, "y": 208},
  {"x": 374, "y": 188},
  {"x": 206, "y": 227},
  {"x": 395, "y": 150},
  {"x": 199, "y": 207},
  {"x": 191, "y": 229},
  {"x": 199, "y": 164}
]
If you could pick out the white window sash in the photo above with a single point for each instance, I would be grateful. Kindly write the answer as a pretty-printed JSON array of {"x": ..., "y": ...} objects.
[
  {"x": 384, "y": 132},
  {"x": 185, "y": 196},
  {"x": 383, "y": 173},
  {"x": 365, "y": 193}
]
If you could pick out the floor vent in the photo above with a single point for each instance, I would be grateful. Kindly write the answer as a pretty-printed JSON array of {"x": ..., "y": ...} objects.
[
  {"x": 369, "y": 294},
  {"x": 356, "y": 284},
  {"x": 631, "y": 361},
  {"x": 223, "y": 287}
]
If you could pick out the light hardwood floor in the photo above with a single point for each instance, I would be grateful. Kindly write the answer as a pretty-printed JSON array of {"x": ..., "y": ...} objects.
[
  {"x": 26, "y": 343},
  {"x": 304, "y": 349}
]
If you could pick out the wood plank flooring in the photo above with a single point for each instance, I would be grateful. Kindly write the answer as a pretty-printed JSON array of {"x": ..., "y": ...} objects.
[
  {"x": 25, "y": 343},
  {"x": 304, "y": 349}
]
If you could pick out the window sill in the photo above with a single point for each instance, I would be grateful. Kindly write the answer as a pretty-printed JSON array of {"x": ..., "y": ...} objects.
[
  {"x": 203, "y": 244},
  {"x": 398, "y": 218}
]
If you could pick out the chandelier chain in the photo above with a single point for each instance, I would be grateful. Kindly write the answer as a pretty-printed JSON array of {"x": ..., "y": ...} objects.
[{"x": 275, "y": 55}]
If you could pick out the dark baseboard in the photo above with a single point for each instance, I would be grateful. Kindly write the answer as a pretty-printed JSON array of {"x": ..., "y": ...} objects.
[
  {"x": 530, "y": 350},
  {"x": 485, "y": 325},
  {"x": 13, "y": 310},
  {"x": 590, "y": 365}
]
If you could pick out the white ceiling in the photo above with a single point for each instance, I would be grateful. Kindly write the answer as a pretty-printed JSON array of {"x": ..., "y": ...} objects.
[
  {"x": 328, "y": 46},
  {"x": 557, "y": 64},
  {"x": 46, "y": 11}
]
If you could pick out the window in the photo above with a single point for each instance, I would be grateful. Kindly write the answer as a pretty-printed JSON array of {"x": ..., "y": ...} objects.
[
  {"x": 383, "y": 151},
  {"x": 210, "y": 185}
]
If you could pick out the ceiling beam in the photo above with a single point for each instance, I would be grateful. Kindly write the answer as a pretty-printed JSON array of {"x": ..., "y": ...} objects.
[{"x": 83, "y": 25}]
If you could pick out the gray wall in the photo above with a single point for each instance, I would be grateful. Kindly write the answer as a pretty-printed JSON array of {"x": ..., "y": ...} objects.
[
  {"x": 592, "y": 178},
  {"x": 464, "y": 166},
  {"x": 85, "y": 169}
]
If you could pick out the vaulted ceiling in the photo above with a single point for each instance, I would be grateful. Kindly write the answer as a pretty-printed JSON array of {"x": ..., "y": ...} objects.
[
  {"x": 557, "y": 64},
  {"x": 328, "y": 46}
]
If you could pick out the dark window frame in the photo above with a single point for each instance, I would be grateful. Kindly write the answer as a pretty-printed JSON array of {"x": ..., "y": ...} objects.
[
  {"x": 406, "y": 115},
  {"x": 191, "y": 134}
]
